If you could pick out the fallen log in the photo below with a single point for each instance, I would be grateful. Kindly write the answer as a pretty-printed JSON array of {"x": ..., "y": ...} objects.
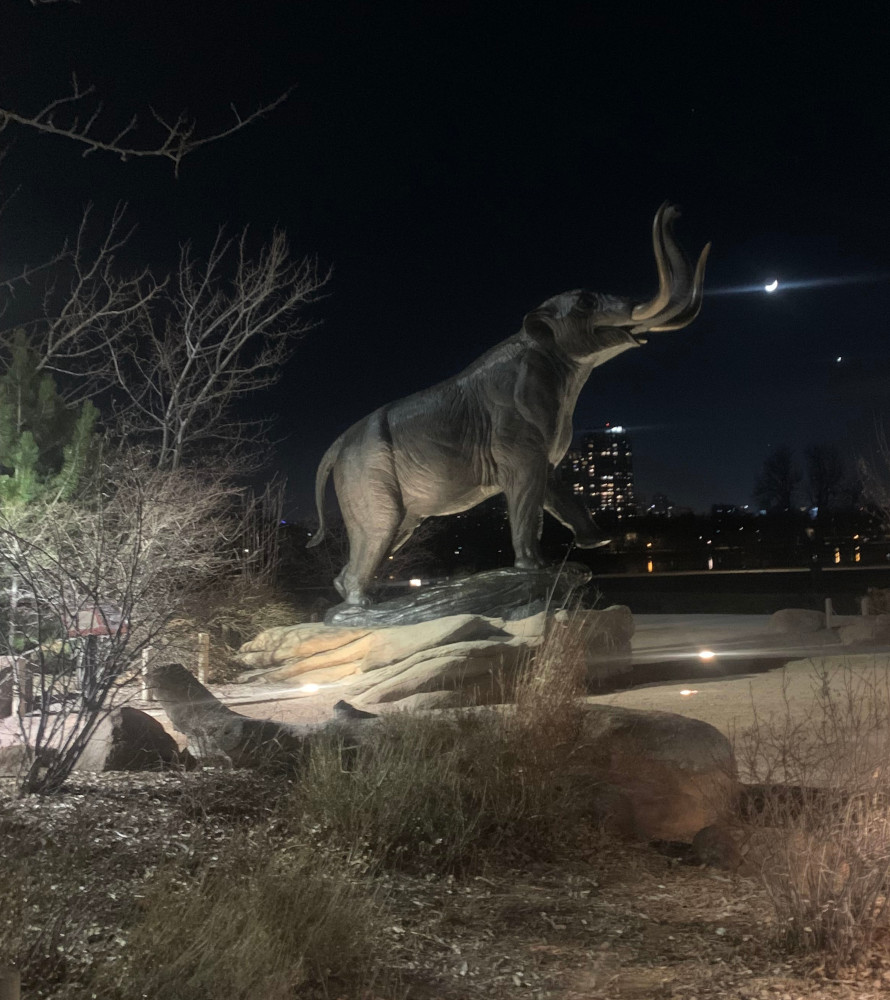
[{"x": 251, "y": 743}]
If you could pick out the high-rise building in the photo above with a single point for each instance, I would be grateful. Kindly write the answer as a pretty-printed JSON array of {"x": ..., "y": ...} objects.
[
  {"x": 599, "y": 468},
  {"x": 661, "y": 506}
]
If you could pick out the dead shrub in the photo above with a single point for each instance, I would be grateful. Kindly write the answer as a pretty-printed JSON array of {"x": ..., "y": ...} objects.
[
  {"x": 824, "y": 792},
  {"x": 233, "y": 615}
]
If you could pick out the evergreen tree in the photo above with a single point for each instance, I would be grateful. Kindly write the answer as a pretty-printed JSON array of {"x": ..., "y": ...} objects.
[{"x": 45, "y": 445}]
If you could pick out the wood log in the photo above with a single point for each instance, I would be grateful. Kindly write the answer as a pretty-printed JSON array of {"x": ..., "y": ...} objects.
[{"x": 251, "y": 743}]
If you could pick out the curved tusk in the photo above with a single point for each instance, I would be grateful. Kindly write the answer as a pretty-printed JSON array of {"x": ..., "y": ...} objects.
[
  {"x": 693, "y": 306},
  {"x": 663, "y": 220}
]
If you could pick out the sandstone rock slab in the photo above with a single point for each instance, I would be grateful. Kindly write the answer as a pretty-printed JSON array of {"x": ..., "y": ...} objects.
[{"x": 291, "y": 651}]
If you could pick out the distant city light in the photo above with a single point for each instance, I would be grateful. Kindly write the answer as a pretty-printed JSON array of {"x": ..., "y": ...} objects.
[{"x": 415, "y": 582}]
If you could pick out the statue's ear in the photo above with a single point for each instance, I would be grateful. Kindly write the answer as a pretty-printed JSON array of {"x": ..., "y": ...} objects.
[{"x": 539, "y": 326}]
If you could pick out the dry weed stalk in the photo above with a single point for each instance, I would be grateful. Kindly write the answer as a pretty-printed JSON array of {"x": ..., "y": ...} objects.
[{"x": 824, "y": 791}]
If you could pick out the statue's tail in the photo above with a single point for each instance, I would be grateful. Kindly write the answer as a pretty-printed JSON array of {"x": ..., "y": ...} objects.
[{"x": 321, "y": 479}]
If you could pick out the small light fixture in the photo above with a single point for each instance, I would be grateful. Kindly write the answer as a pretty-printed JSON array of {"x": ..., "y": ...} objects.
[{"x": 415, "y": 582}]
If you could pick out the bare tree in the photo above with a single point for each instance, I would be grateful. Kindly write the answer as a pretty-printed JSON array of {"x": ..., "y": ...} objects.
[
  {"x": 826, "y": 475},
  {"x": 77, "y": 117},
  {"x": 777, "y": 484},
  {"x": 174, "y": 354},
  {"x": 117, "y": 562}
]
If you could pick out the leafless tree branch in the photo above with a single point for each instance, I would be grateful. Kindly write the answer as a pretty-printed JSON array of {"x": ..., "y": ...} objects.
[
  {"x": 76, "y": 117},
  {"x": 219, "y": 339},
  {"x": 174, "y": 353}
]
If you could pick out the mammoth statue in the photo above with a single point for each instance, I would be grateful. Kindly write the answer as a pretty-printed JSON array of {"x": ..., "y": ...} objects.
[{"x": 499, "y": 426}]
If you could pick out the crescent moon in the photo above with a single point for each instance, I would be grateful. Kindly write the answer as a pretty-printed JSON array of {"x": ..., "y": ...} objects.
[{"x": 772, "y": 286}]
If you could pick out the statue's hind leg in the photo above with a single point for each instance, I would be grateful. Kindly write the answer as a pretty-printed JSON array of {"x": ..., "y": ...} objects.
[{"x": 370, "y": 542}]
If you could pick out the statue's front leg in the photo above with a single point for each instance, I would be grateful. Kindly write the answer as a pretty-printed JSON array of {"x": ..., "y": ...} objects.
[
  {"x": 524, "y": 491},
  {"x": 571, "y": 511}
]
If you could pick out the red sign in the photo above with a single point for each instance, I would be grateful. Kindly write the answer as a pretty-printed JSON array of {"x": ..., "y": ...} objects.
[{"x": 100, "y": 619}]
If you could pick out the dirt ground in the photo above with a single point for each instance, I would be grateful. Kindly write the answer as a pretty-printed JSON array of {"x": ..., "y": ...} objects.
[{"x": 601, "y": 920}]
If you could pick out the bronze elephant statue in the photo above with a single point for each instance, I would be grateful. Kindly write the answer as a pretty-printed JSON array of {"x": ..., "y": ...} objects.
[{"x": 501, "y": 425}]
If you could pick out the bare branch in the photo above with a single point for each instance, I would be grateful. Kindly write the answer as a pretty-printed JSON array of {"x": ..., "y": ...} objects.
[
  {"x": 77, "y": 117},
  {"x": 219, "y": 340},
  {"x": 86, "y": 303},
  {"x": 172, "y": 355},
  {"x": 134, "y": 545}
]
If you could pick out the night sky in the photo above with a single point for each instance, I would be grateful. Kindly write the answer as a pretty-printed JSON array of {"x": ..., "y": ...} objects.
[{"x": 457, "y": 163}]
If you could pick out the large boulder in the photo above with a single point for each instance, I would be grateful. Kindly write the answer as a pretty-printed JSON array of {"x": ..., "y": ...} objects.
[
  {"x": 797, "y": 620},
  {"x": 676, "y": 774},
  {"x": 867, "y": 629},
  {"x": 648, "y": 775},
  {"x": 483, "y": 671},
  {"x": 130, "y": 740}
]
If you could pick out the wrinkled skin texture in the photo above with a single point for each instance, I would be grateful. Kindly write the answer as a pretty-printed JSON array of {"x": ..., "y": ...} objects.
[{"x": 501, "y": 425}]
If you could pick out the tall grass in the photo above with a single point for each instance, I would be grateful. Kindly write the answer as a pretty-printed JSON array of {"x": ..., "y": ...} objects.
[
  {"x": 824, "y": 790},
  {"x": 441, "y": 791}
]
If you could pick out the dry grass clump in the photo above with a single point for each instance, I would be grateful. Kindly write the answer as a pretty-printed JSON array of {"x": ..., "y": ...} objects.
[
  {"x": 825, "y": 792},
  {"x": 442, "y": 791},
  {"x": 254, "y": 920}
]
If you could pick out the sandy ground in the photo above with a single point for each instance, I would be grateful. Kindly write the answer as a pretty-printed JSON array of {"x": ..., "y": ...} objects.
[{"x": 730, "y": 703}]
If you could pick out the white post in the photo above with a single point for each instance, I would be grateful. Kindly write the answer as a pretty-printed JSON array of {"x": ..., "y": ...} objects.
[
  {"x": 865, "y": 606},
  {"x": 829, "y": 612},
  {"x": 22, "y": 686},
  {"x": 203, "y": 656},
  {"x": 146, "y": 690}
]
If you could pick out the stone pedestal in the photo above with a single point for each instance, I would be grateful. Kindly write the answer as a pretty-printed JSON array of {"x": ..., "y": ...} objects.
[
  {"x": 458, "y": 659},
  {"x": 510, "y": 594}
]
